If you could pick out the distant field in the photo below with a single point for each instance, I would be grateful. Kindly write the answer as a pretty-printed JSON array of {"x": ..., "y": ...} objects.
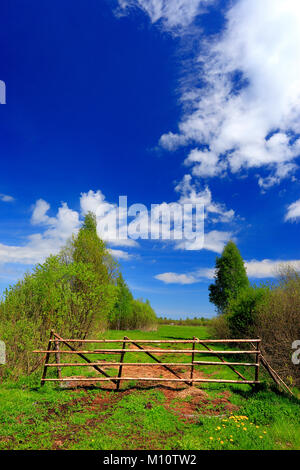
[{"x": 142, "y": 416}]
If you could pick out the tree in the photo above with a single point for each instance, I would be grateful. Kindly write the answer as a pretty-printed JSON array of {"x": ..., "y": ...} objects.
[
  {"x": 230, "y": 277},
  {"x": 87, "y": 247},
  {"x": 119, "y": 317}
]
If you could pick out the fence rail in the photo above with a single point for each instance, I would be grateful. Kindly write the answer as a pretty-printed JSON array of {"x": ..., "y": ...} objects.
[{"x": 54, "y": 348}]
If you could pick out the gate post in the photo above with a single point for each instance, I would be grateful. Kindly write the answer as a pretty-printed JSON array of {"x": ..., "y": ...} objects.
[
  {"x": 121, "y": 365},
  {"x": 257, "y": 356}
]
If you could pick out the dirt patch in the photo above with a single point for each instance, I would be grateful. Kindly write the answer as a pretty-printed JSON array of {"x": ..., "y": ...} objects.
[{"x": 191, "y": 403}]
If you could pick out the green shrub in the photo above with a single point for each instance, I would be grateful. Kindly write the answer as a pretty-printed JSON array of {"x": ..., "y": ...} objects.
[
  {"x": 241, "y": 311},
  {"x": 65, "y": 297}
]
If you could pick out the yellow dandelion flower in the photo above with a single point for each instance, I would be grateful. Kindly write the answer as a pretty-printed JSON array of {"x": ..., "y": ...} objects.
[
  {"x": 231, "y": 440},
  {"x": 211, "y": 438},
  {"x": 257, "y": 427},
  {"x": 245, "y": 429},
  {"x": 261, "y": 437},
  {"x": 265, "y": 432}
]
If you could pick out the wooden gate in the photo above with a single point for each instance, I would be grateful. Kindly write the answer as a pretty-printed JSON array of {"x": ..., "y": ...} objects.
[{"x": 54, "y": 350}]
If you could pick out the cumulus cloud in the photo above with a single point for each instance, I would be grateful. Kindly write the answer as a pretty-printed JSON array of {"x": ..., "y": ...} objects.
[
  {"x": 41, "y": 245},
  {"x": 293, "y": 211},
  {"x": 57, "y": 229},
  {"x": 246, "y": 115}
]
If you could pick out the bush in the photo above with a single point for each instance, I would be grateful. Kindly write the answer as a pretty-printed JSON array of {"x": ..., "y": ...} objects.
[
  {"x": 242, "y": 311},
  {"x": 278, "y": 324},
  {"x": 219, "y": 327},
  {"x": 143, "y": 316},
  {"x": 65, "y": 297}
]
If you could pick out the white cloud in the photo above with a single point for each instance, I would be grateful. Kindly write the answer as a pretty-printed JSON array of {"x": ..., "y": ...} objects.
[
  {"x": 174, "y": 14},
  {"x": 56, "y": 230},
  {"x": 173, "y": 278},
  {"x": 248, "y": 112},
  {"x": 41, "y": 245},
  {"x": 190, "y": 194},
  {"x": 120, "y": 254},
  {"x": 39, "y": 214},
  {"x": 6, "y": 198},
  {"x": 255, "y": 269},
  {"x": 268, "y": 268},
  {"x": 205, "y": 163},
  {"x": 293, "y": 212}
]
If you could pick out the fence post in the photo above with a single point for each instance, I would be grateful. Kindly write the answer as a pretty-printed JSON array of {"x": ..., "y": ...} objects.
[
  {"x": 121, "y": 365},
  {"x": 257, "y": 361},
  {"x": 57, "y": 358},
  {"x": 47, "y": 359},
  {"x": 193, "y": 357}
]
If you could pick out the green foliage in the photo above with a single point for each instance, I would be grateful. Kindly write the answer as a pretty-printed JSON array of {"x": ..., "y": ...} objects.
[
  {"x": 230, "y": 277},
  {"x": 75, "y": 293},
  {"x": 242, "y": 310},
  {"x": 120, "y": 313},
  {"x": 66, "y": 297},
  {"x": 128, "y": 313},
  {"x": 142, "y": 316},
  {"x": 88, "y": 248},
  {"x": 71, "y": 293}
]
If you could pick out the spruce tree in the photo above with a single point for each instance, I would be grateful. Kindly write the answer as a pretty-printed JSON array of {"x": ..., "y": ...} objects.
[{"x": 230, "y": 277}]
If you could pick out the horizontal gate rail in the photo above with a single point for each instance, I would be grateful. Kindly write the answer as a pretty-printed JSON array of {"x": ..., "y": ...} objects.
[
  {"x": 157, "y": 351},
  {"x": 187, "y": 364},
  {"x": 152, "y": 379},
  {"x": 208, "y": 341},
  {"x": 54, "y": 349}
]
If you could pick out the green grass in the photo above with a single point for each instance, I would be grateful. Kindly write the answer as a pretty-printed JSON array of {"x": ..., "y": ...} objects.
[{"x": 53, "y": 418}]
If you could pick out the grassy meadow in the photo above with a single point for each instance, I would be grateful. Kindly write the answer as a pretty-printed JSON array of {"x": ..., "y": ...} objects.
[{"x": 209, "y": 416}]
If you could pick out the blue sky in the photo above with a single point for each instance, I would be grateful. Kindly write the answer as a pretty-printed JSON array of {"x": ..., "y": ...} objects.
[{"x": 161, "y": 101}]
